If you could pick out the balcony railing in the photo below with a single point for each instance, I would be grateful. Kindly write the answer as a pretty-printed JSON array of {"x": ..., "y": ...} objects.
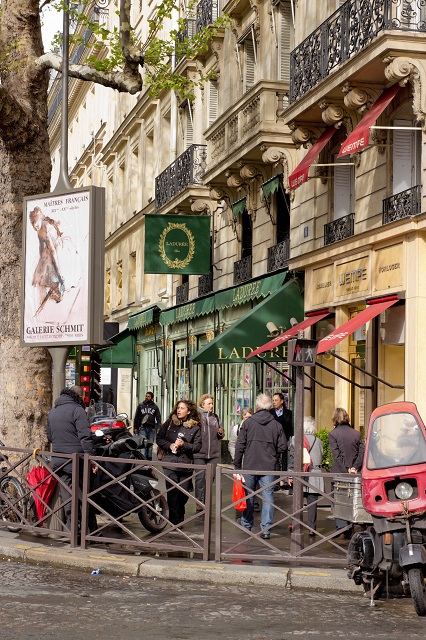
[
  {"x": 346, "y": 32},
  {"x": 242, "y": 270},
  {"x": 401, "y": 205},
  {"x": 182, "y": 293},
  {"x": 339, "y": 229},
  {"x": 187, "y": 33},
  {"x": 278, "y": 255},
  {"x": 187, "y": 169},
  {"x": 207, "y": 12},
  {"x": 205, "y": 284}
]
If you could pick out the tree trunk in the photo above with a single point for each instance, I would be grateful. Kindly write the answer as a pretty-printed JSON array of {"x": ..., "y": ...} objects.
[{"x": 25, "y": 167}]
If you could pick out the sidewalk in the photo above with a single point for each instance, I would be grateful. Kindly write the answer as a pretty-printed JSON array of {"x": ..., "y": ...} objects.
[{"x": 51, "y": 552}]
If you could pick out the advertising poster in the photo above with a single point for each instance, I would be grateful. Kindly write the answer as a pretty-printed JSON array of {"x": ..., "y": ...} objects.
[{"x": 56, "y": 269}]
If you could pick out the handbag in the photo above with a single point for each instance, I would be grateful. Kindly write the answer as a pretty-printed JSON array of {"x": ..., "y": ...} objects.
[{"x": 238, "y": 492}]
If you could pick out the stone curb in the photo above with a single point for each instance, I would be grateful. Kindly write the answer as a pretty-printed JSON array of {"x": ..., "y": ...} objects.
[{"x": 171, "y": 569}]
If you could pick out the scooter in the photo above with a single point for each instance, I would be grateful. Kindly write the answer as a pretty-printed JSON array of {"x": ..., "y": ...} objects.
[
  {"x": 140, "y": 485},
  {"x": 390, "y": 555}
]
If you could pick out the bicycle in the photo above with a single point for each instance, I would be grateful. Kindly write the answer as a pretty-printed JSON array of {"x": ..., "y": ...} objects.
[{"x": 13, "y": 503}]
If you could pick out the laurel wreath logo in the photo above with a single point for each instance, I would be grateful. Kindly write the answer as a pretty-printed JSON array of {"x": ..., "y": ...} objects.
[{"x": 177, "y": 264}]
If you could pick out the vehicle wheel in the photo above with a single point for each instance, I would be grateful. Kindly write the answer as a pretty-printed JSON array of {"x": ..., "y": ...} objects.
[
  {"x": 417, "y": 588},
  {"x": 15, "y": 494},
  {"x": 154, "y": 517}
]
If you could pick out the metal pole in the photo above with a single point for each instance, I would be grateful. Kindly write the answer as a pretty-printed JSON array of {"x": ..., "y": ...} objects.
[
  {"x": 297, "y": 533},
  {"x": 63, "y": 179},
  {"x": 59, "y": 357}
]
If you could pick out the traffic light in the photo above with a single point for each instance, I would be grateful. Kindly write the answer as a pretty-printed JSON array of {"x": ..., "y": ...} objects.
[{"x": 95, "y": 376}]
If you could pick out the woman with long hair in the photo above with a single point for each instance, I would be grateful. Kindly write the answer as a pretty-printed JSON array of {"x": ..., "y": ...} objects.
[{"x": 179, "y": 437}]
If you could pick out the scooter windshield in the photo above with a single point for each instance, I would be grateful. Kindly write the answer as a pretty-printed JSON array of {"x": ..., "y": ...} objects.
[{"x": 396, "y": 439}]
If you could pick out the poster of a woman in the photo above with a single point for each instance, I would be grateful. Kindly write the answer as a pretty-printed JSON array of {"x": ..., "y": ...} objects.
[{"x": 56, "y": 275}]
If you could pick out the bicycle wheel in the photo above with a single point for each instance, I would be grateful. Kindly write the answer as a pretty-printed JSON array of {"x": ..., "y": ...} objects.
[
  {"x": 153, "y": 517},
  {"x": 417, "y": 588},
  {"x": 15, "y": 494}
]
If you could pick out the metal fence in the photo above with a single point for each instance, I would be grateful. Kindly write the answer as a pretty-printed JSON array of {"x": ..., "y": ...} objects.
[{"x": 211, "y": 529}]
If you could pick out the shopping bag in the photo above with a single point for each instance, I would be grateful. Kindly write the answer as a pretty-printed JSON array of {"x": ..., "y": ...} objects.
[{"x": 239, "y": 492}]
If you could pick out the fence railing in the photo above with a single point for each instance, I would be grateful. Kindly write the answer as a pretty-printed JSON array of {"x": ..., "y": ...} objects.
[{"x": 210, "y": 529}]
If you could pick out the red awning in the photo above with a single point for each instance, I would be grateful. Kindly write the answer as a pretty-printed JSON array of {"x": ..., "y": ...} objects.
[
  {"x": 339, "y": 334},
  {"x": 283, "y": 337},
  {"x": 300, "y": 174},
  {"x": 359, "y": 137}
]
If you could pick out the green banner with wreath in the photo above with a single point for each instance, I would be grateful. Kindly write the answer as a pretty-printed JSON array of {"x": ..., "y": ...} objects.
[{"x": 177, "y": 244}]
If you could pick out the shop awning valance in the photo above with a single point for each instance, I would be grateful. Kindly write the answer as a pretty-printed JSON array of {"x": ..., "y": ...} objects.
[
  {"x": 142, "y": 318},
  {"x": 275, "y": 343},
  {"x": 244, "y": 336},
  {"x": 359, "y": 138},
  {"x": 232, "y": 297},
  {"x": 300, "y": 174},
  {"x": 271, "y": 185},
  {"x": 361, "y": 318},
  {"x": 238, "y": 207},
  {"x": 122, "y": 353}
]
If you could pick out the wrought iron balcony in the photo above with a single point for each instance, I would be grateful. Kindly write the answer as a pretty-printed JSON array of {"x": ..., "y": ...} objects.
[
  {"x": 242, "y": 270},
  {"x": 182, "y": 293},
  {"x": 187, "y": 33},
  {"x": 346, "y": 32},
  {"x": 401, "y": 205},
  {"x": 207, "y": 12},
  {"x": 339, "y": 229},
  {"x": 187, "y": 169},
  {"x": 205, "y": 284},
  {"x": 278, "y": 255}
]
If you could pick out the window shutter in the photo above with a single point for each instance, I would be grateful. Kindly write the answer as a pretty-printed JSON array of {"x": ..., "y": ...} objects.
[
  {"x": 343, "y": 191},
  {"x": 402, "y": 157},
  {"x": 189, "y": 128},
  {"x": 249, "y": 65},
  {"x": 284, "y": 35},
  {"x": 213, "y": 103}
]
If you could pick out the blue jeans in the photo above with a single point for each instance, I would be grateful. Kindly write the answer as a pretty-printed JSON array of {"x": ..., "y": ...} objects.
[
  {"x": 267, "y": 515},
  {"x": 149, "y": 434}
]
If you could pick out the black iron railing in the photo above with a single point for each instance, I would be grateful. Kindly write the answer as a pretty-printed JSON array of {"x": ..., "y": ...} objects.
[
  {"x": 346, "y": 32},
  {"x": 187, "y": 33},
  {"x": 242, "y": 270},
  {"x": 401, "y": 205},
  {"x": 187, "y": 169},
  {"x": 182, "y": 293},
  {"x": 278, "y": 255},
  {"x": 205, "y": 284},
  {"x": 207, "y": 12},
  {"x": 339, "y": 229}
]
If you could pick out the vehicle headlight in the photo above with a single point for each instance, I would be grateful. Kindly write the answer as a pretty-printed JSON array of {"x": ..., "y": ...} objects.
[{"x": 404, "y": 491}]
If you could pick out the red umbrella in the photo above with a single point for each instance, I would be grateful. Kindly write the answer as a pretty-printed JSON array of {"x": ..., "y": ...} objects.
[{"x": 43, "y": 483}]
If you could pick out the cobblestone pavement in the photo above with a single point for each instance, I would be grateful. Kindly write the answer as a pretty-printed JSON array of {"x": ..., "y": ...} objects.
[{"x": 46, "y": 602}]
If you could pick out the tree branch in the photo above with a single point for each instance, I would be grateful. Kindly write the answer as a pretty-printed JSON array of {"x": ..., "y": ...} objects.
[{"x": 129, "y": 80}]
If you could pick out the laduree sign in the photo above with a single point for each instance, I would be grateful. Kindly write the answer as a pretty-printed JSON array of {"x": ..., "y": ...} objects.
[
  {"x": 177, "y": 244},
  {"x": 63, "y": 268}
]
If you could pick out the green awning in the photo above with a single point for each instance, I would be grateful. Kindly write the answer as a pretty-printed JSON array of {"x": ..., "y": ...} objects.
[
  {"x": 238, "y": 207},
  {"x": 250, "y": 291},
  {"x": 271, "y": 185},
  {"x": 121, "y": 355},
  {"x": 250, "y": 331},
  {"x": 142, "y": 319},
  {"x": 228, "y": 298}
]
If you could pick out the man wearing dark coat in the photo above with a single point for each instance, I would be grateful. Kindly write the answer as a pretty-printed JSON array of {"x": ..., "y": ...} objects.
[{"x": 285, "y": 417}]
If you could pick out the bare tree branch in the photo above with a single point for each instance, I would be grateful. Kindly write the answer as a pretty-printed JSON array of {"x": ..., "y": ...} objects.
[{"x": 129, "y": 80}]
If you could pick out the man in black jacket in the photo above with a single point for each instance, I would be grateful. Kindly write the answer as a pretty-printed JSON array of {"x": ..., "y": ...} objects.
[
  {"x": 260, "y": 442},
  {"x": 285, "y": 417},
  {"x": 147, "y": 420},
  {"x": 69, "y": 432}
]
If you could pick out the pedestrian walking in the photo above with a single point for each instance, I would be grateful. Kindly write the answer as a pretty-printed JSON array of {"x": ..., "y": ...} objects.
[
  {"x": 285, "y": 417},
  {"x": 347, "y": 449},
  {"x": 211, "y": 434},
  {"x": 179, "y": 437},
  {"x": 68, "y": 431},
  {"x": 260, "y": 442},
  {"x": 316, "y": 484},
  {"x": 147, "y": 420}
]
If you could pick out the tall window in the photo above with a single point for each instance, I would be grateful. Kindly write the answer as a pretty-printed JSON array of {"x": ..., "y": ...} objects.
[
  {"x": 406, "y": 157},
  {"x": 132, "y": 277},
  {"x": 247, "y": 235},
  {"x": 181, "y": 373},
  {"x": 240, "y": 397},
  {"x": 119, "y": 283},
  {"x": 249, "y": 63},
  {"x": 284, "y": 34},
  {"x": 343, "y": 188},
  {"x": 283, "y": 215},
  {"x": 213, "y": 105},
  {"x": 108, "y": 291}
]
